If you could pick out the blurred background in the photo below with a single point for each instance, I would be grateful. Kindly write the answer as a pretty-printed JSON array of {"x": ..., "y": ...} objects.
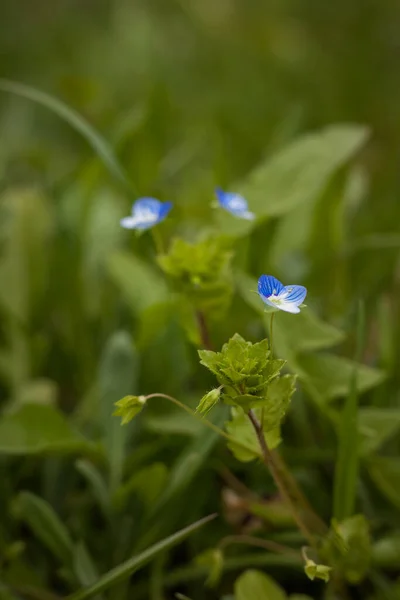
[{"x": 189, "y": 94}]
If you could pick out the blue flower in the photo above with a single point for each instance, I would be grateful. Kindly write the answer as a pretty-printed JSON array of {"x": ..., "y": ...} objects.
[
  {"x": 146, "y": 212},
  {"x": 235, "y": 204},
  {"x": 284, "y": 297}
]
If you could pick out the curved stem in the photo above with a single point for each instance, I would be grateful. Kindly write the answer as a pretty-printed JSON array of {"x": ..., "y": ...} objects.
[
  {"x": 254, "y": 541},
  {"x": 269, "y": 461},
  {"x": 206, "y": 422},
  {"x": 157, "y": 239}
]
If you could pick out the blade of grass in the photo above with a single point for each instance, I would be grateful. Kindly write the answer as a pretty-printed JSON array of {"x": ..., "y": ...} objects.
[
  {"x": 347, "y": 463},
  {"x": 73, "y": 118},
  {"x": 127, "y": 568}
]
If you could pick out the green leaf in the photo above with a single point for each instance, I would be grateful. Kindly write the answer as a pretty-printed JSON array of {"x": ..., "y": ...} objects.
[
  {"x": 347, "y": 463},
  {"x": 148, "y": 483},
  {"x": 99, "y": 145},
  {"x": 240, "y": 428},
  {"x": 315, "y": 571},
  {"x": 128, "y": 407},
  {"x": 209, "y": 401},
  {"x": 97, "y": 484},
  {"x": 126, "y": 569},
  {"x": 37, "y": 428},
  {"x": 385, "y": 473},
  {"x": 356, "y": 561},
  {"x": 376, "y": 426},
  {"x": 252, "y": 585},
  {"x": 295, "y": 175},
  {"x": 139, "y": 283},
  {"x": 386, "y": 551},
  {"x": 117, "y": 376},
  {"x": 83, "y": 565},
  {"x": 45, "y": 524},
  {"x": 213, "y": 559},
  {"x": 330, "y": 375}
]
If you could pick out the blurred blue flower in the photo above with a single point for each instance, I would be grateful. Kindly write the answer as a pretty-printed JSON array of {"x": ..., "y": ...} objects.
[
  {"x": 146, "y": 212},
  {"x": 284, "y": 297},
  {"x": 235, "y": 204}
]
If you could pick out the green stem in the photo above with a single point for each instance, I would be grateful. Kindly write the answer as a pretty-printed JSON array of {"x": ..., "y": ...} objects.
[
  {"x": 269, "y": 461},
  {"x": 271, "y": 330},
  {"x": 254, "y": 541},
  {"x": 205, "y": 422},
  {"x": 203, "y": 330},
  {"x": 157, "y": 239}
]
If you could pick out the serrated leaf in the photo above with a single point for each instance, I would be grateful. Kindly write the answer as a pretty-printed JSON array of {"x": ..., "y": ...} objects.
[{"x": 252, "y": 585}]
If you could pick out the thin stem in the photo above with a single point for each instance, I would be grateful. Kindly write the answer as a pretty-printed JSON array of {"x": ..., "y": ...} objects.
[
  {"x": 205, "y": 422},
  {"x": 203, "y": 330},
  {"x": 271, "y": 331},
  {"x": 157, "y": 239},
  {"x": 269, "y": 461},
  {"x": 254, "y": 541}
]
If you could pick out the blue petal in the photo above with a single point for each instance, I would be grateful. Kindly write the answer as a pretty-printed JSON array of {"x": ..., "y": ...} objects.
[
  {"x": 234, "y": 203},
  {"x": 128, "y": 223},
  {"x": 146, "y": 206},
  {"x": 269, "y": 285},
  {"x": 294, "y": 294},
  {"x": 164, "y": 210}
]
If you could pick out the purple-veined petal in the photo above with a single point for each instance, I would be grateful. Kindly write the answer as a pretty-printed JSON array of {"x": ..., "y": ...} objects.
[{"x": 294, "y": 293}]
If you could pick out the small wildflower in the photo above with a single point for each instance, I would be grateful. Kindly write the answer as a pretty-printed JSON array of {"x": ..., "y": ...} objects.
[
  {"x": 146, "y": 212},
  {"x": 235, "y": 204},
  {"x": 285, "y": 297}
]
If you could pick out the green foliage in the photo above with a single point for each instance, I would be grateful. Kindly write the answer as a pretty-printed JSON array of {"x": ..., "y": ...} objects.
[
  {"x": 348, "y": 547},
  {"x": 209, "y": 401},
  {"x": 250, "y": 378},
  {"x": 240, "y": 429},
  {"x": 213, "y": 559},
  {"x": 201, "y": 272},
  {"x": 128, "y": 407},
  {"x": 317, "y": 571},
  {"x": 254, "y": 584}
]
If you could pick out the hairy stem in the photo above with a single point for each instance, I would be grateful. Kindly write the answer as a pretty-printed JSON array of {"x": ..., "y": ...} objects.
[{"x": 270, "y": 462}]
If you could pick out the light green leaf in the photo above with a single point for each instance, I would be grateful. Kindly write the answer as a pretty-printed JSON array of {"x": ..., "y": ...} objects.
[
  {"x": 45, "y": 524},
  {"x": 240, "y": 428},
  {"x": 376, "y": 425},
  {"x": 99, "y": 145},
  {"x": 37, "y": 428},
  {"x": 252, "y": 585},
  {"x": 118, "y": 372},
  {"x": 126, "y": 569},
  {"x": 316, "y": 571},
  {"x": 209, "y": 401},
  {"x": 330, "y": 375},
  {"x": 83, "y": 565},
  {"x": 385, "y": 472},
  {"x": 140, "y": 284},
  {"x": 295, "y": 175},
  {"x": 213, "y": 559}
]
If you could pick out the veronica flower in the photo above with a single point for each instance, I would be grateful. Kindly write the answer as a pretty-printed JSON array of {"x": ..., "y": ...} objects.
[
  {"x": 285, "y": 297},
  {"x": 146, "y": 212},
  {"x": 235, "y": 204}
]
